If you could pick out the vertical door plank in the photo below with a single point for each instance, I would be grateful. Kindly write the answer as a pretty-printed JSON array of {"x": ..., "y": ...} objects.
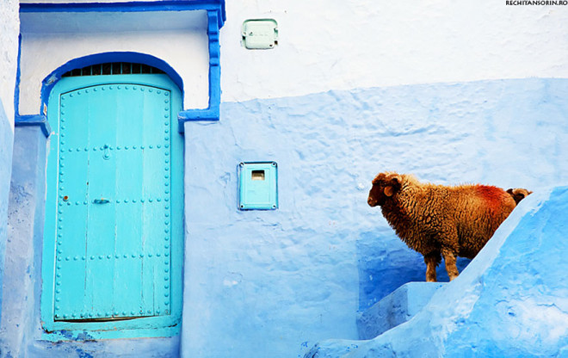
[
  {"x": 102, "y": 103},
  {"x": 128, "y": 281}
]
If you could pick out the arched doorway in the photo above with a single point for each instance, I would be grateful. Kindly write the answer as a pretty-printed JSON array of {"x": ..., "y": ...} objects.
[{"x": 113, "y": 240}]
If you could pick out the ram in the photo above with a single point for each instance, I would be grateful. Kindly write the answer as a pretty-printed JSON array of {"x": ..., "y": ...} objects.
[{"x": 437, "y": 220}]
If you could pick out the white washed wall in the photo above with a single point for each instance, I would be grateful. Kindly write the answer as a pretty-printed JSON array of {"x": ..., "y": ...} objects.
[
  {"x": 180, "y": 39},
  {"x": 345, "y": 45},
  {"x": 364, "y": 43},
  {"x": 9, "y": 29}
]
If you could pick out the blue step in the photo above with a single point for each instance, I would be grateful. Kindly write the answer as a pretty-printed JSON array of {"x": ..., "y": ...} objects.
[{"x": 396, "y": 308}]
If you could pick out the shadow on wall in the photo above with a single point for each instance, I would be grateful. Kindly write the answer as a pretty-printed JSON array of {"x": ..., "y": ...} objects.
[{"x": 386, "y": 263}]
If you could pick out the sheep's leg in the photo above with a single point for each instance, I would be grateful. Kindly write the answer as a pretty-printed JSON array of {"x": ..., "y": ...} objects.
[
  {"x": 432, "y": 260},
  {"x": 450, "y": 260}
]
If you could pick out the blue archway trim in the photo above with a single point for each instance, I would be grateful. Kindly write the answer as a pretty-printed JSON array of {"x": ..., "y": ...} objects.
[
  {"x": 53, "y": 77},
  {"x": 212, "y": 112},
  {"x": 135, "y": 57},
  {"x": 216, "y": 16}
]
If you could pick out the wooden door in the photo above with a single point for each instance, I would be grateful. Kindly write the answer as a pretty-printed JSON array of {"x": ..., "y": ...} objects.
[{"x": 112, "y": 196}]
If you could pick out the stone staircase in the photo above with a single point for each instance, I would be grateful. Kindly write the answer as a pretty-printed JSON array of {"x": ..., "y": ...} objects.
[{"x": 396, "y": 308}]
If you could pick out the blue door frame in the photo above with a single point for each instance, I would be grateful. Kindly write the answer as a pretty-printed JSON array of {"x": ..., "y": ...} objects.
[{"x": 113, "y": 239}]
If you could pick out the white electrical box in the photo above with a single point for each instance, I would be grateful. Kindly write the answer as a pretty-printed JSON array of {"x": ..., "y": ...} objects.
[{"x": 260, "y": 34}]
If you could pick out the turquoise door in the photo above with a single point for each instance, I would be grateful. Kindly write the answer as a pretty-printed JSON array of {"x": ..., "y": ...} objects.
[{"x": 113, "y": 239}]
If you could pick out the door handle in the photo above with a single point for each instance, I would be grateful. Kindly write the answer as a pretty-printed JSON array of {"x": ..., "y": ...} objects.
[{"x": 101, "y": 201}]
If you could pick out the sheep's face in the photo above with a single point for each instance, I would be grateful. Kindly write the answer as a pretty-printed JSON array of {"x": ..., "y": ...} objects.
[
  {"x": 519, "y": 194},
  {"x": 385, "y": 185}
]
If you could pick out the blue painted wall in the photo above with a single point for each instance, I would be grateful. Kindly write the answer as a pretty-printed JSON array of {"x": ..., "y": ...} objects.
[
  {"x": 510, "y": 302},
  {"x": 271, "y": 283},
  {"x": 24, "y": 239},
  {"x": 6, "y": 143}
]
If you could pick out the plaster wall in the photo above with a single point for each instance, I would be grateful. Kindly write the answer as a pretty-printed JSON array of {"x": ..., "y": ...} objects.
[
  {"x": 23, "y": 249},
  {"x": 6, "y": 141},
  {"x": 180, "y": 39},
  {"x": 351, "y": 44},
  {"x": 8, "y": 70},
  {"x": 9, "y": 30},
  {"x": 268, "y": 283}
]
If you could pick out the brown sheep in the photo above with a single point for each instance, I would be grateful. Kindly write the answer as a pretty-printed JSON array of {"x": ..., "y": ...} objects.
[
  {"x": 519, "y": 194},
  {"x": 436, "y": 219}
]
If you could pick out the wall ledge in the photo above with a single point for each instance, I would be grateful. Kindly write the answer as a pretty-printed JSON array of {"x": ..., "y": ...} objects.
[{"x": 34, "y": 120}]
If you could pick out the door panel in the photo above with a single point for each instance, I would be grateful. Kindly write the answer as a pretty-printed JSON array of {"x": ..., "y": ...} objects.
[{"x": 113, "y": 196}]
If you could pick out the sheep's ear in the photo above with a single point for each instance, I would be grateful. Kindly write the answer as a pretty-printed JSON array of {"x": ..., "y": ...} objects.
[
  {"x": 389, "y": 191},
  {"x": 393, "y": 184}
]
